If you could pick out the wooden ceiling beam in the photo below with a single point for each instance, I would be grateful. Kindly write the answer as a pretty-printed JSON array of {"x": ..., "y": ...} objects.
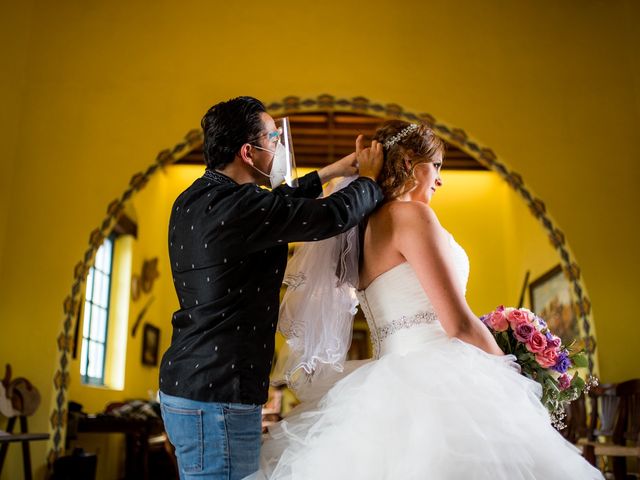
[{"x": 322, "y": 137}]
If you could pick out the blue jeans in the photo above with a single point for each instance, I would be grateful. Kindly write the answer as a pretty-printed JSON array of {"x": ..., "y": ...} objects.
[{"x": 213, "y": 441}]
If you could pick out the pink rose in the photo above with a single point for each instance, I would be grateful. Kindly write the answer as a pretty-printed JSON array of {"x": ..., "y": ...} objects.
[
  {"x": 547, "y": 358},
  {"x": 516, "y": 317},
  {"x": 498, "y": 321},
  {"x": 537, "y": 343},
  {"x": 564, "y": 381},
  {"x": 523, "y": 331}
]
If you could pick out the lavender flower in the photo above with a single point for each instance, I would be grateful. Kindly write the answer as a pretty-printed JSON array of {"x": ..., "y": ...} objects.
[{"x": 563, "y": 363}]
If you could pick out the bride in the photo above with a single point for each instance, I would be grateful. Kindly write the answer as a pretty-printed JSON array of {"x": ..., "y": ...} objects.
[{"x": 439, "y": 400}]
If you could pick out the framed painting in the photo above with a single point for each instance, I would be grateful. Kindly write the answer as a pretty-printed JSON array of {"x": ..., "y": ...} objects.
[
  {"x": 150, "y": 345},
  {"x": 551, "y": 299}
]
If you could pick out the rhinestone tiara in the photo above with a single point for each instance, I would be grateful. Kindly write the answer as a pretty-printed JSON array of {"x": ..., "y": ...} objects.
[{"x": 400, "y": 135}]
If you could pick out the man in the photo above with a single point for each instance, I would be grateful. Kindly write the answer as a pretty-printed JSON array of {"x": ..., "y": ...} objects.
[{"x": 228, "y": 247}]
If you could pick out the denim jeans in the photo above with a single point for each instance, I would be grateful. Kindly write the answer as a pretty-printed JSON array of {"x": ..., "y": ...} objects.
[{"x": 213, "y": 441}]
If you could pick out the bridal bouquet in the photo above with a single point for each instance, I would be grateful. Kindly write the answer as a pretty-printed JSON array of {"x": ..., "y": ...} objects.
[{"x": 542, "y": 357}]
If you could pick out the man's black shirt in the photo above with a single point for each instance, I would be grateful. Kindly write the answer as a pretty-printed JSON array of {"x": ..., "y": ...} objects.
[{"x": 228, "y": 251}]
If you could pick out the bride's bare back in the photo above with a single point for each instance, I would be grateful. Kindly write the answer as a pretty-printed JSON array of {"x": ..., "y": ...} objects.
[
  {"x": 409, "y": 231},
  {"x": 379, "y": 253},
  {"x": 381, "y": 248}
]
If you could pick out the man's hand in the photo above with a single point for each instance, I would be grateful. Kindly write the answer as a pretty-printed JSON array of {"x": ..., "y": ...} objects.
[
  {"x": 369, "y": 160},
  {"x": 365, "y": 161}
]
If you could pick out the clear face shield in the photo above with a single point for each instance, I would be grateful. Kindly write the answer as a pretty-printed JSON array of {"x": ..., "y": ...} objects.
[{"x": 283, "y": 167}]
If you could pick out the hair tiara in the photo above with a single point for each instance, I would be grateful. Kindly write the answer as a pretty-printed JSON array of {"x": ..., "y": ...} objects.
[{"x": 400, "y": 135}]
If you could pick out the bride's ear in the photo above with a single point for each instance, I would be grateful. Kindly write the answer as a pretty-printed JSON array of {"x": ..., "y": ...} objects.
[{"x": 407, "y": 165}]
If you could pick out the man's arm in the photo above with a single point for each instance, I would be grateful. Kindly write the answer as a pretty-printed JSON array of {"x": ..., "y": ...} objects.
[
  {"x": 309, "y": 186},
  {"x": 366, "y": 162},
  {"x": 255, "y": 219},
  {"x": 267, "y": 219}
]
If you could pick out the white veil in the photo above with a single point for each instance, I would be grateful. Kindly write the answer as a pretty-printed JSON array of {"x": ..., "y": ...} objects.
[{"x": 316, "y": 314}]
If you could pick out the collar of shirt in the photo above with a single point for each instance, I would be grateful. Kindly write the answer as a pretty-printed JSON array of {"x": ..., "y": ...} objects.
[{"x": 218, "y": 177}]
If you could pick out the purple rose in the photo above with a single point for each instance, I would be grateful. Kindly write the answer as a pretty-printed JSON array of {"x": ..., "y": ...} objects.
[
  {"x": 564, "y": 382},
  {"x": 555, "y": 342},
  {"x": 523, "y": 332},
  {"x": 563, "y": 363}
]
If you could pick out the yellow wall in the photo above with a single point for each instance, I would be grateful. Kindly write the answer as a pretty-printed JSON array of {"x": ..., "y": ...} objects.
[
  {"x": 15, "y": 26},
  {"x": 94, "y": 91}
]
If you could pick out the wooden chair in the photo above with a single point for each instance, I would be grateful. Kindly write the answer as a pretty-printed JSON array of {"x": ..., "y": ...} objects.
[
  {"x": 577, "y": 429},
  {"x": 603, "y": 404},
  {"x": 615, "y": 425}
]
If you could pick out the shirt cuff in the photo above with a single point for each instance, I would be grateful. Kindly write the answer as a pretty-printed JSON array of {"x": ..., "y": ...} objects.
[{"x": 378, "y": 195}]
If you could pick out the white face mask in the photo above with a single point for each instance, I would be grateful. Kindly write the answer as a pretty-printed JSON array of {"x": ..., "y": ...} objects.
[
  {"x": 280, "y": 170},
  {"x": 283, "y": 165}
]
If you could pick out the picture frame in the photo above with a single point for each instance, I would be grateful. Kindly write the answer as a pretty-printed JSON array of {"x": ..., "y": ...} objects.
[
  {"x": 551, "y": 298},
  {"x": 150, "y": 345}
]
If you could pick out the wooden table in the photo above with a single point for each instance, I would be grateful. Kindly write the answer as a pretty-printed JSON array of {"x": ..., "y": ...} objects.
[{"x": 137, "y": 433}]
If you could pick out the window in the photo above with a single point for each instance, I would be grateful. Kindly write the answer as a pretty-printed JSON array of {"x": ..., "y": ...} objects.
[{"x": 96, "y": 316}]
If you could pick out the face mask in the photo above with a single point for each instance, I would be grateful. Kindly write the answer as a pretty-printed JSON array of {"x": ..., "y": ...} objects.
[
  {"x": 283, "y": 166},
  {"x": 279, "y": 171}
]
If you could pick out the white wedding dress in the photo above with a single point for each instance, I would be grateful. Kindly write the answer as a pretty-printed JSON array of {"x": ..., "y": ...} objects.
[{"x": 426, "y": 407}]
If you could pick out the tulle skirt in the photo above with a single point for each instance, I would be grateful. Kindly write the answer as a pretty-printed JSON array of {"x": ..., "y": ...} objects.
[{"x": 446, "y": 410}]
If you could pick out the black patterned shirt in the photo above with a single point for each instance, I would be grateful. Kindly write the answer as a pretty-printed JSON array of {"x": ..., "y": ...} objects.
[{"x": 228, "y": 251}]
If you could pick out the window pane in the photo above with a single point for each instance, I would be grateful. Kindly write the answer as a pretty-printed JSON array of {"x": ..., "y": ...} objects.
[
  {"x": 89, "y": 290},
  {"x": 98, "y": 324},
  {"x": 106, "y": 261},
  {"x": 96, "y": 356},
  {"x": 103, "y": 299},
  {"x": 100, "y": 289},
  {"x": 97, "y": 286},
  {"x": 90, "y": 358},
  {"x": 83, "y": 359},
  {"x": 99, "y": 258},
  {"x": 99, "y": 362},
  {"x": 95, "y": 320},
  {"x": 86, "y": 320}
]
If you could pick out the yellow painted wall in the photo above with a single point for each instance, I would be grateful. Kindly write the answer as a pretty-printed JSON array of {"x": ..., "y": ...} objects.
[
  {"x": 15, "y": 26},
  {"x": 94, "y": 91}
]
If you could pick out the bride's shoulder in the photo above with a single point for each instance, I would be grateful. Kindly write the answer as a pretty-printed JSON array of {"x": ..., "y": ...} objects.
[{"x": 409, "y": 213}]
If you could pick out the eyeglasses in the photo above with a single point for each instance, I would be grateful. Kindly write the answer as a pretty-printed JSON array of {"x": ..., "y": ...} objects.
[{"x": 272, "y": 137}]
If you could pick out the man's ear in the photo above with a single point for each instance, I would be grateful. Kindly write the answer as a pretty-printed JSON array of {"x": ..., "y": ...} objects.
[{"x": 246, "y": 154}]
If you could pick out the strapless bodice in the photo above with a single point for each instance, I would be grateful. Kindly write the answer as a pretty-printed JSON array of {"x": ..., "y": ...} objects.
[{"x": 399, "y": 313}]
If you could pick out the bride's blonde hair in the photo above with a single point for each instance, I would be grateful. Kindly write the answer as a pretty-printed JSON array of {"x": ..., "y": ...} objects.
[{"x": 404, "y": 141}]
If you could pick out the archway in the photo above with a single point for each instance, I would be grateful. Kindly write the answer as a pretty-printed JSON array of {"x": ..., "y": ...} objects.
[{"x": 289, "y": 105}]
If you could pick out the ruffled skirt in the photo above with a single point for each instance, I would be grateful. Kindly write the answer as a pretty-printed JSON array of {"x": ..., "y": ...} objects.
[{"x": 446, "y": 410}]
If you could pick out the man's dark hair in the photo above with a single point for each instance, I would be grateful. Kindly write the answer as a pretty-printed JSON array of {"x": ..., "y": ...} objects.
[{"x": 227, "y": 126}]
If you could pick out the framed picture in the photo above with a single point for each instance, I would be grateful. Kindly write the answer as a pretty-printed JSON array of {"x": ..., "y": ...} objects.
[
  {"x": 551, "y": 299},
  {"x": 150, "y": 345}
]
